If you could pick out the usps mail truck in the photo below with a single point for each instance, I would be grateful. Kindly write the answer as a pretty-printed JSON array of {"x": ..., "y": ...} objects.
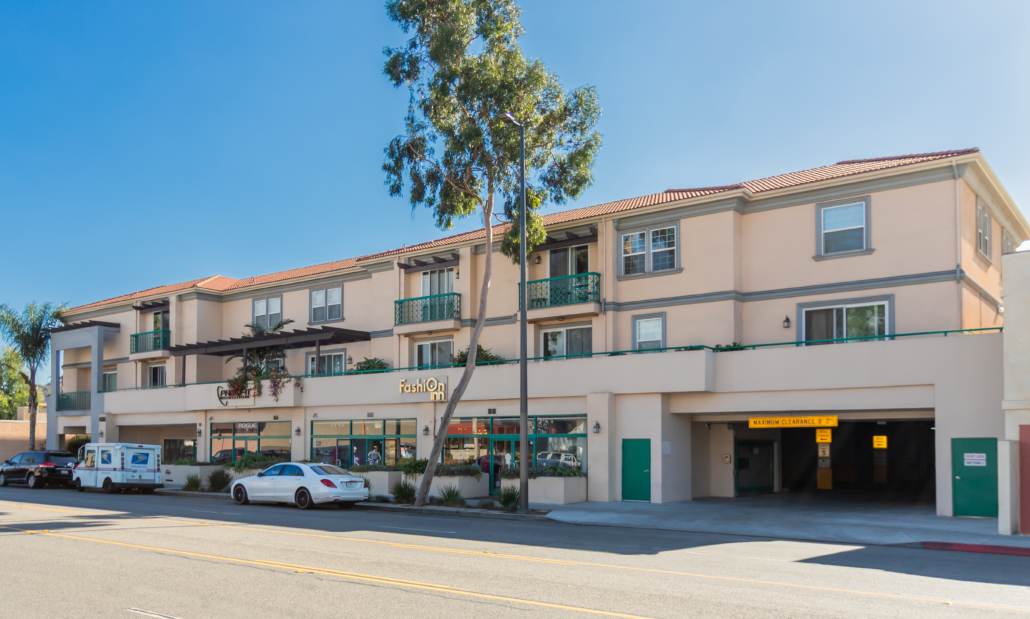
[{"x": 118, "y": 466}]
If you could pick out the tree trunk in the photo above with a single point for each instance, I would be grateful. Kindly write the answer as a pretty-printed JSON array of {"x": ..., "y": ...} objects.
[
  {"x": 31, "y": 380},
  {"x": 470, "y": 364}
]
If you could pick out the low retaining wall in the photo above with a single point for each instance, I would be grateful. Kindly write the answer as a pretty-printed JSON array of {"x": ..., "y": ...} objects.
[
  {"x": 174, "y": 475},
  {"x": 554, "y": 490},
  {"x": 470, "y": 487},
  {"x": 382, "y": 482}
]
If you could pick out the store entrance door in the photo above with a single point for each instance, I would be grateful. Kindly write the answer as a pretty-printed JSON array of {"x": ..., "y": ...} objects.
[
  {"x": 505, "y": 456},
  {"x": 243, "y": 446}
]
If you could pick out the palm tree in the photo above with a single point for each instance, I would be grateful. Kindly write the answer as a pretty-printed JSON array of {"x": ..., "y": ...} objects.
[
  {"x": 260, "y": 361},
  {"x": 29, "y": 334}
]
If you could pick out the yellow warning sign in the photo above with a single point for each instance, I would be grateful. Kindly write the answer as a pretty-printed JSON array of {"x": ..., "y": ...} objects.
[
  {"x": 879, "y": 442},
  {"x": 823, "y": 435},
  {"x": 792, "y": 422}
]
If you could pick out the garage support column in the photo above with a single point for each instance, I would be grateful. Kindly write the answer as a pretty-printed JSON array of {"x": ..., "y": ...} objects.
[
  {"x": 1008, "y": 487},
  {"x": 55, "y": 387},
  {"x": 601, "y": 447}
]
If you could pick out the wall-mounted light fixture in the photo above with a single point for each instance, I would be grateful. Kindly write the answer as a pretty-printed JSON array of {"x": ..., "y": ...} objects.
[
  {"x": 561, "y": 319},
  {"x": 425, "y": 431},
  {"x": 211, "y": 418},
  {"x": 315, "y": 416},
  {"x": 297, "y": 431},
  {"x": 429, "y": 332},
  {"x": 536, "y": 260},
  {"x": 786, "y": 322},
  {"x": 457, "y": 274},
  {"x": 101, "y": 434},
  {"x": 200, "y": 433},
  {"x": 350, "y": 360},
  {"x": 597, "y": 427}
]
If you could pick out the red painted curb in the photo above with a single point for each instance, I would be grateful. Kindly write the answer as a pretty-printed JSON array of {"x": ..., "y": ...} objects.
[{"x": 984, "y": 548}]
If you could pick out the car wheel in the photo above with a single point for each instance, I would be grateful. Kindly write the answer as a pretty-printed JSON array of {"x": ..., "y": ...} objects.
[
  {"x": 32, "y": 482},
  {"x": 239, "y": 494},
  {"x": 3, "y": 480},
  {"x": 347, "y": 505},
  {"x": 108, "y": 486},
  {"x": 303, "y": 499},
  {"x": 78, "y": 485}
]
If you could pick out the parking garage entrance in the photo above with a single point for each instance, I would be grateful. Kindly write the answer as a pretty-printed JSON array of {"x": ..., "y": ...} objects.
[{"x": 863, "y": 460}]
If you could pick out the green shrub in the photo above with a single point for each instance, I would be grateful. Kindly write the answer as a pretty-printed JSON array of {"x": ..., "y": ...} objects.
[
  {"x": 368, "y": 468},
  {"x": 451, "y": 496},
  {"x": 483, "y": 356},
  {"x": 404, "y": 492},
  {"x": 509, "y": 497},
  {"x": 219, "y": 480},
  {"x": 253, "y": 461},
  {"x": 368, "y": 484},
  {"x": 186, "y": 462},
  {"x": 458, "y": 470},
  {"x": 412, "y": 467},
  {"x": 192, "y": 482},
  {"x": 74, "y": 443},
  {"x": 375, "y": 364},
  {"x": 543, "y": 471}
]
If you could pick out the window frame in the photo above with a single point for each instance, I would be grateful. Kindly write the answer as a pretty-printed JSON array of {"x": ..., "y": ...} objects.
[
  {"x": 637, "y": 318},
  {"x": 311, "y": 304},
  {"x": 426, "y": 277},
  {"x": 984, "y": 229},
  {"x": 103, "y": 379},
  {"x": 867, "y": 236},
  {"x": 310, "y": 357},
  {"x": 544, "y": 330},
  {"x": 429, "y": 342},
  {"x": 253, "y": 309},
  {"x": 150, "y": 376},
  {"x": 887, "y": 299},
  {"x": 647, "y": 231},
  {"x": 570, "y": 260}
]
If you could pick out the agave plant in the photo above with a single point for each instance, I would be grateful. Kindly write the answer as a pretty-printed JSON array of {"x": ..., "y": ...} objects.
[{"x": 450, "y": 496}]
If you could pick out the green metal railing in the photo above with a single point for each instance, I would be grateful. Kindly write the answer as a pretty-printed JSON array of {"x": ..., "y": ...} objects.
[
  {"x": 427, "y": 309},
  {"x": 151, "y": 340},
  {"x": 615, "y": 353},
  {"x": 565, "y": 290},
  {"x": 73, "y": 401}
]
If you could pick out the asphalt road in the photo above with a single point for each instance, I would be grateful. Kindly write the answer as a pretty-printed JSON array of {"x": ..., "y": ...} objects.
[{"x": 66, "y": 554}]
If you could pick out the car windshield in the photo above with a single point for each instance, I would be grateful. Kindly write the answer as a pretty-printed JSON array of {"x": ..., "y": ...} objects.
[
  {"x": 61, "y": 459},
  {"x": 328, "y": 469}
]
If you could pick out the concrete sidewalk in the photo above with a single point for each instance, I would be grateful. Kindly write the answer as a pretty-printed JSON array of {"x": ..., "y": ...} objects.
[{"x": 854, "y": 520}]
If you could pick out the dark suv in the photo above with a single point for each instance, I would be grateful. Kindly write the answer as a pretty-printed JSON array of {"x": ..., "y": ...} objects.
[{"x": 37, "y": 469}]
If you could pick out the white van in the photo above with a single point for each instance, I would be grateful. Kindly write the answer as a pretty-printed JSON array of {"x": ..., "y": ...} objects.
[{"x": 118, "y": 466}]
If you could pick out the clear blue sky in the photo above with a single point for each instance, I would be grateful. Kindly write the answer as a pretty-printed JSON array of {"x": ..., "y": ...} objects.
[{"x": 145, "y": 143}]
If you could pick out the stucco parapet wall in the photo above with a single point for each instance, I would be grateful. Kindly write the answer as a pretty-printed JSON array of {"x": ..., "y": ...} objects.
[{"x": 671, "y": 372}]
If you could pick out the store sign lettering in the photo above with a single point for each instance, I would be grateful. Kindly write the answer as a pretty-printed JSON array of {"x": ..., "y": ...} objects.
[
  {"x": 436, "y": 389},
  {"x": 793, "y": 422},
  {"x": 227, "y": 398},
  {"x": 975, "y": 459}
]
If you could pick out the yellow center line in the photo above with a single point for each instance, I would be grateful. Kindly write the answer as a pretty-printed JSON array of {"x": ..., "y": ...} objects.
[
  {"x": 493, "y": 555},
  {"x": 410, "y": 584}
]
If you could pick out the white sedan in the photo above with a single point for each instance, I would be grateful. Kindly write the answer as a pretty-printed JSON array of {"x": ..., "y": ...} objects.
[{"x": 304, "y": 485}]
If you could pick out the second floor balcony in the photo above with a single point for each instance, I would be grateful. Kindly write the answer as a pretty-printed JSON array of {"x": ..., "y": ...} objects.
[
  {"x": 73, "y": 401},
  {"x": 569, "y": 295},
  {"x": 151, "y": 341},
  {"x": 435, "y": 312}
]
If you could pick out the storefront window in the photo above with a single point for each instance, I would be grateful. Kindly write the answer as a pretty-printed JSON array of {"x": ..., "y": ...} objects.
[
  {"x": 370, "y": 428},
  {"x": 401, "y": 426},
  {"x": 561, "y": 451},
  {"x": 510, "y": 425},
  {"x": 233, "y": 440},
  {"x": 381, "y": 442},
  {"x": 466, "y": 450},
  {"x": 330, "y": 428},
  {"x": 247, "y": 428},
  {"x": 275, "y": 428},
  {"x": 561, "y": 425},
  {"x": 221, "y": 429},
  {"x": 275, "y": 448},
  {"x": 470, "y": 425},
  {"x": 178, "y": 449}
]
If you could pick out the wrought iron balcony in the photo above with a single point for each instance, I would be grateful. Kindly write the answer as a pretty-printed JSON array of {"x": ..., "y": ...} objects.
[
  {"x": 73, "y": 401},
  {"x": 149, "y": 341},
  {"x": 565, "y": 290},
  {"x": 427, "y": 309}
]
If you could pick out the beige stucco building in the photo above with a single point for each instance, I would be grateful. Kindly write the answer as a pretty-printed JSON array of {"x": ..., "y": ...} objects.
[{"x": 887, "y": 254}]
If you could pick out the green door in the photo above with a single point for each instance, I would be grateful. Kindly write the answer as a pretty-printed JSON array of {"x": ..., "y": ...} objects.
[
  {"x": 974, "y": 470},
  {"x": 636, "y": 469}
]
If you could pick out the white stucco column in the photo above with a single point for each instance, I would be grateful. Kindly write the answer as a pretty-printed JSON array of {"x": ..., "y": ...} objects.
[
  {"x": 1008, "y": 487},
  {"x": 601, "y": 447}
]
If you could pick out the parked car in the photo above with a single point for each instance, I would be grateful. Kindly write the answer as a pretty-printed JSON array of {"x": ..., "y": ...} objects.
[
  {"x": 304, "y": 485},
  {"x": 37, "y": 469},
  {"x": 118, "y": 466}
]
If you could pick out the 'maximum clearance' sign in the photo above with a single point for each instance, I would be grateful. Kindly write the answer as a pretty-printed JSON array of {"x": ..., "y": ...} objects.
[
  {"x": 436, "y": 388},
  {"x": 824, "y": 421}
]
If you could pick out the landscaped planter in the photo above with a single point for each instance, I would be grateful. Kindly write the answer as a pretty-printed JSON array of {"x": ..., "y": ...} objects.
[
  {"x": 382, "y": 481},
  {"x": 470, "y": 487},
  {"x": 554, "y": 490},
  {"x": 174, "y": 475}
]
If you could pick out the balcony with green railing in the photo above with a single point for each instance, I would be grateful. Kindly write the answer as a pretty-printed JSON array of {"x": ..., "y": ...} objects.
[
  {"x": 73, "y": 401},
  {"x": 150, "y": 341},
  {"x": 427, "y": 309},
  {"x": 565, "y": 290}
]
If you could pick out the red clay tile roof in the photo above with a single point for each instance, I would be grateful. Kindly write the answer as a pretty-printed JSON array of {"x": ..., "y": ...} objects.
[{"x": 838, "y": 170}]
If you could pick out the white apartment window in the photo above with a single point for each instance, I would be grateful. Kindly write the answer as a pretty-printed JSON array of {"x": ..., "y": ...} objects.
[
  {"x": 434, "y": 353},
  {"x": 648, "y": 332},
  {"x": 634, "y": 253},
  {"x": 110, "y": 380},
  {"x": 569, "y": 261},
  {"x": 156, "y": 376},
  {"x": 651, "y": 250},
  {"x": 327, "y": 304},
  {"x": 437, "y": 281},
  {"x": 845, "y": 321},
  {"x": 267, "y": 312},
  {"x": 328, "y": 363},
  {"x": 569, "y": 341},
  {"x": 160, "y": 321},
  {"x": 983, "y": 229},
  {"x": 843, "y": 228}
]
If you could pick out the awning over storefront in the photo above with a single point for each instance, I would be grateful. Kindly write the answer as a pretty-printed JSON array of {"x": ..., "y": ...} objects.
[{"x": 302, "y": 338}]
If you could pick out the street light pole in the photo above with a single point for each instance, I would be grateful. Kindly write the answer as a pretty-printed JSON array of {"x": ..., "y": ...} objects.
[{"x": 524, "y": 455}]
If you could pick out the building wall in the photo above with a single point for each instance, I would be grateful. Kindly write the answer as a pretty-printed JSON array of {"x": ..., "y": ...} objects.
[{"x": 14, "y": 437}]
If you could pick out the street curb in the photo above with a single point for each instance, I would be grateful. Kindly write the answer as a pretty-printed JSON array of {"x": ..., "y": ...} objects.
[
  {"x": 1017, "y": 551},
  {"x": 451, "y": 511}
]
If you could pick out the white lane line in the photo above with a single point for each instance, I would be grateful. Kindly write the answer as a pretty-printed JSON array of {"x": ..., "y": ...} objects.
[
  {"x": 202, "y": 511},
  {"x": 147, "y": 613},
  {"x": 425, "y": 530}
]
